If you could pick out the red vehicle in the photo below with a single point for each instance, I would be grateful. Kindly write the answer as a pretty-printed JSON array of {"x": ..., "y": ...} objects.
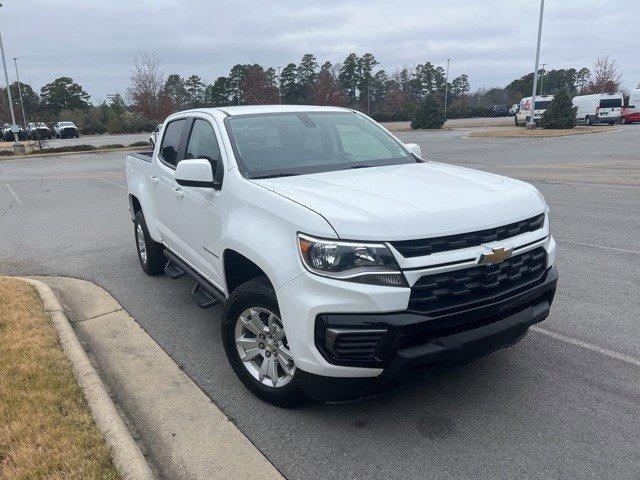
[{"x": 630, "y": 115}]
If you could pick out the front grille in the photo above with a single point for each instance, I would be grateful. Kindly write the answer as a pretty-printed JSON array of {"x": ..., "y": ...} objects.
[
  {"x": 448, "y": 292},
  {"x": 427, "y": 246}
]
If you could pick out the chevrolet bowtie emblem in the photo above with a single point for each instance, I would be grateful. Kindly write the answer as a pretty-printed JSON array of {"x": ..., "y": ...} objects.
[{"x": 496, "y": 255}]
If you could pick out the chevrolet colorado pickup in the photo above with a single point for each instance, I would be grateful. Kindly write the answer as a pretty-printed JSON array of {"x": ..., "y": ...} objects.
[{"x": 346, "y": 265}]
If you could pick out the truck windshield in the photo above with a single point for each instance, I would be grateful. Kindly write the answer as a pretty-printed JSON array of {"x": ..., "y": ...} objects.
[
  {"x": 610, "y": 103},
  {"x": 296, "y": 143},
  {"x": 543, "y": 105}
]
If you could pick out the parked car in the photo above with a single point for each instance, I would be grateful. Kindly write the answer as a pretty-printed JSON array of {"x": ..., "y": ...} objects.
[
  {"x": 66, "y": 130},
  {"x": 346, "y": 264},
  {"x": 598, "y": 108},
  {"x": 514, "y": 109},
  {"x": 7, "y": 133},
  {"x": 631, "y": 113},
  {"x": 38, "y": 130},
  {"x": 500, "y": 111},
  {"x": 524, "y": 109},
  {"x": 154, "y": 135}
]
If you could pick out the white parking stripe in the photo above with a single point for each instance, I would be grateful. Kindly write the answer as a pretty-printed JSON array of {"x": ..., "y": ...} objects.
[
  {"x": 109, "y": 181},
  {"x": 595, "y": 206},
  {"x": 589, "y": 346},
  {"x": 15, "y": 195},
  {"x": 624, "y": 250}
]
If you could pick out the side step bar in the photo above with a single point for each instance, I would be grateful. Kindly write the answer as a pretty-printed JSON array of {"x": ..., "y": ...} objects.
[{"x": 205, "y": 294}]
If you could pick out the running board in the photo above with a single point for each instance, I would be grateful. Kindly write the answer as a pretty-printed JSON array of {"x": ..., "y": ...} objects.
[
  {"x": 202, "y": 298},
  {"x": 172, "y": 270},
  {"x": 203, "y": 286}
]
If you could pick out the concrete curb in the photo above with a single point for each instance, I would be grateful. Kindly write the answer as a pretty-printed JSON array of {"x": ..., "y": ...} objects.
[
  {"x": 58, "y": 154},
  {"x": 125, "y": 452}
]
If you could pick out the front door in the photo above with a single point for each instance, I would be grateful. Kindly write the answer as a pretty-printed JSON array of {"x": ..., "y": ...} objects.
[{"x": 200, "y": 218}]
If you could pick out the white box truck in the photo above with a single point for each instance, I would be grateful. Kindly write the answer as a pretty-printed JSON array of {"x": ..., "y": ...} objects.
[{"x": 524, "y": 109}]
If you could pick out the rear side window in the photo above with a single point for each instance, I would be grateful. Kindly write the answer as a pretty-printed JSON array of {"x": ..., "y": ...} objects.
[
  {"x": 610, "y": 102},
  {"x": 203, "y": 142},
  {"x": 171, "y": 141}
]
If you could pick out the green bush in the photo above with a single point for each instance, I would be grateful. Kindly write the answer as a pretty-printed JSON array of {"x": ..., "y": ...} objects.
[
  {"x": 561, "y": 113},
  {"x": 429, "y": 114}
]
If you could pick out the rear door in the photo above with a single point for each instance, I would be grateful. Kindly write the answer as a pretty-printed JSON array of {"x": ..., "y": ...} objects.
[
  {"x": 167, "y": 194},
  {"x": 200, "y": 213}
]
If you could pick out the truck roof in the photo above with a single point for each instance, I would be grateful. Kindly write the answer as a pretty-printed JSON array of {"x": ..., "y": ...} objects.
[{"x": 252, "y": 109}]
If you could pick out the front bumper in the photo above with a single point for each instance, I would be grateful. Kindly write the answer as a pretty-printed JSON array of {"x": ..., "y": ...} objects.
[{"x": 419, "y": 344}]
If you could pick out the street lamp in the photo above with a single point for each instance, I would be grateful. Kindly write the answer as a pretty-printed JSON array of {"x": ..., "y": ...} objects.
[
  {"x": 531, "y": 124},
  {"x": 17, "y": 148},
  {"x": 446, "y": 88},
  {"x": 24, "y": 117}
]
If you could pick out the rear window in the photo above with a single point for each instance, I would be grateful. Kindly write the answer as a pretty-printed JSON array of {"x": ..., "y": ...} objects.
[
  {"x": 543, "y": 105},
  {"x": 610, "y": 103}
]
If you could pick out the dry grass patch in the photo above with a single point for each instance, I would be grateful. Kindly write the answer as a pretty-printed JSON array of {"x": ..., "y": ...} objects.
[
  {"x": 46, "y": 429},
  {"x": 522, "y": 132}
]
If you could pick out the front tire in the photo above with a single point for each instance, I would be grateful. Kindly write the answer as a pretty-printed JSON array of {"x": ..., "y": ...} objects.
[
  {"x": 149, "y": 251},
  {"x": 256, "y": 344}
]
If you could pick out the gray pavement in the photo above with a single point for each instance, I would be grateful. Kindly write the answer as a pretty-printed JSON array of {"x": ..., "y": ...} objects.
[{"x": 563, "y": 403}]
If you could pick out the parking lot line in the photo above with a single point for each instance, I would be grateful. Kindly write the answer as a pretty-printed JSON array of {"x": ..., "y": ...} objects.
[
  {"x": 15, "y": 195},
  {"x": 109, "y": 181},
  {"x": 604, "y": 247},
  {"x": 588, "y": 346},
  {"x": 595, "y": 206}
]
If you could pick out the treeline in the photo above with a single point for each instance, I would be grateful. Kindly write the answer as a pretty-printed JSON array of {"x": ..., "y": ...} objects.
[{"x": 356, "y": 82}]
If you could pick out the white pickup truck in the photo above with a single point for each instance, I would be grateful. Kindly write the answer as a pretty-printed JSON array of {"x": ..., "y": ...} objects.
[{"x": 346, "y": 264}]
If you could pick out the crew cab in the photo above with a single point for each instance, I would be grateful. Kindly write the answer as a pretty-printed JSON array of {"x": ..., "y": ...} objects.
[
  {"x": 66, "y": 130},
  {"x": 346, "y": 264}
]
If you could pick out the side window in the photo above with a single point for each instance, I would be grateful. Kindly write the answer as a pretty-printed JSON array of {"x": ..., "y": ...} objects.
[
  {"x": 203, "y": 142},
  {"x": 171, "y": 141}
]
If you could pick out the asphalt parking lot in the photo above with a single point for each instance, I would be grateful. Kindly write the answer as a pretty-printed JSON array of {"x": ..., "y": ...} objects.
[{"x": 563, "y": 403}]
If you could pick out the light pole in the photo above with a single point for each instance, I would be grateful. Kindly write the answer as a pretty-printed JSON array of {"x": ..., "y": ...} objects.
[
  {"x": 16, "y": 145},
  {"x": 280, "y": 85},
  {"x": 24, "y": 117},
  {"x": 531, "y": 124},
  {"x": 446, "y": 88}
]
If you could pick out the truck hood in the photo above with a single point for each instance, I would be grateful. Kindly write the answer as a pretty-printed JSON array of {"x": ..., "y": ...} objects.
[{"x": 402, "y": 202}]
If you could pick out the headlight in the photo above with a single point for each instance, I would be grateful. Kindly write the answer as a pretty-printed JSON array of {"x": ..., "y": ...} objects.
[{"x": 371, "y": 263}]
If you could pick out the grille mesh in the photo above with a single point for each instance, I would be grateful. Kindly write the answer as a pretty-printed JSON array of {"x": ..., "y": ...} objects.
[
  {"x": 446, "y": 292},
  {"x": 427, "y": 246}
]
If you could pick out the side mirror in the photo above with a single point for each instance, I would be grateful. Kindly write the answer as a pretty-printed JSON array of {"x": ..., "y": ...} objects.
[
  {"x": 195, "y": 173},
  {"x": 415, "y": 149}
]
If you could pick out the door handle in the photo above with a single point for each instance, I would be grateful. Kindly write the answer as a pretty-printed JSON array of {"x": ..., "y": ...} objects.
[
  {"x": 179, "y": 192},
  {"x": 154, "y": 178}
]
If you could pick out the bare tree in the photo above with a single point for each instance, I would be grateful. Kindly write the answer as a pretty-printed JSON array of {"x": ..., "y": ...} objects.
[
  {"x": 147, "y": 80},
  {"x": 605, "y": 77}
]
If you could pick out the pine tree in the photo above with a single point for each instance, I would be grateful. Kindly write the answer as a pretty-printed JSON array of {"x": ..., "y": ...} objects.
[
  {"x": 429, "y": 114},
  {"x": 561, "y": 113}
]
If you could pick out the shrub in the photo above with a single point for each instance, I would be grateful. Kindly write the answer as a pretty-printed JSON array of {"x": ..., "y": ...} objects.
[
  {"x": 561, "y": 113},
  {"x": 6, "y": 153},
  {"x": 110, "y": 146},
  {"x": 429, "y": 114},
  {"x": 65, "y": 149},
  {"x": 140, "y": 144}
]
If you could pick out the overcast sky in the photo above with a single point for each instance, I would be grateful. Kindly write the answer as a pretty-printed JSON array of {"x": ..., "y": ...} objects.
[{"x": 94, "y": 42}]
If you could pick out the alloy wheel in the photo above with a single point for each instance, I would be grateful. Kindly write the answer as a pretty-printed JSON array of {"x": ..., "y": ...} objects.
[
  {"x": 142, "y": 246},
  {"x": 262, "y": 346}
]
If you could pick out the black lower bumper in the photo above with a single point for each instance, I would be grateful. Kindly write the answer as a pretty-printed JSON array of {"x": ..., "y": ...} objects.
[{"x": 420, "y": 349}]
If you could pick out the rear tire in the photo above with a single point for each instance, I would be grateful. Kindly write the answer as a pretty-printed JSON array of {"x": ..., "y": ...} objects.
[
  {"x": 149, "y": 251},
  {"x": 257, "y": 296}
]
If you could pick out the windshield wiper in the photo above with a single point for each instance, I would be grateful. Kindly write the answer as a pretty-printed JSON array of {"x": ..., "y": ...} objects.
[
  {"x": 357, "y": 166},
  {"x": 275, "y": 175}
]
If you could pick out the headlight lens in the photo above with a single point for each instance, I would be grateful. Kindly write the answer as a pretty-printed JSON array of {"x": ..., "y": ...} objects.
[{"x": 371, "y": 263}]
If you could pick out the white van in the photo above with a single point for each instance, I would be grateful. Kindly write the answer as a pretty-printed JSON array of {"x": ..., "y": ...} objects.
[
  {"x": 524, "y": 109},
  {"x": 599, "y": 107}
]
